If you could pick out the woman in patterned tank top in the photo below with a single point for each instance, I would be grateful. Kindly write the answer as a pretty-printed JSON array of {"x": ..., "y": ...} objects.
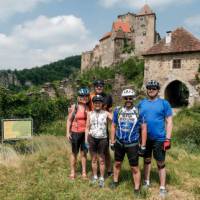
[{"x": 96, "y": 135}]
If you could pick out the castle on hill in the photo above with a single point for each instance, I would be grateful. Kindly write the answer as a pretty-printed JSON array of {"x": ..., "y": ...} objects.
[{"x": 131, "y": 35}]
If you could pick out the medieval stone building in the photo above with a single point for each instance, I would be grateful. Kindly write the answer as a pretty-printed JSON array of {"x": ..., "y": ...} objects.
[
  {"x": 175, "y": 63},
  {"x": 131, "y": 34}
]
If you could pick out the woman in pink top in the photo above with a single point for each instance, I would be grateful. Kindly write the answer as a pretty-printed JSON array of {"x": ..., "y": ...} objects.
[{"x": 76, "y": 124}]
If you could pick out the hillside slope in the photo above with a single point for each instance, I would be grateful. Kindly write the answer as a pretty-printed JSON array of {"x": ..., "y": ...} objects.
[{"x": 40, "y": 75}]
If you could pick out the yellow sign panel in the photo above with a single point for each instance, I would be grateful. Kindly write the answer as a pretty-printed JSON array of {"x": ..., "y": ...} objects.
[{"x": 17, "y": 129}]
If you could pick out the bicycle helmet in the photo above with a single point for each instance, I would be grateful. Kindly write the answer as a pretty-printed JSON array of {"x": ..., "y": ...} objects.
[
  {"x": 97, "y": 98},
  {"x": 128, "y": 93},
  {"x": 98, "y": 82},
  {"x": 83, "y": 92},
  {"x": 153, "y": 84}
]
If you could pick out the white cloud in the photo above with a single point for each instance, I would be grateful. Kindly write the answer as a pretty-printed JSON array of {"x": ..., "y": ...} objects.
[
  {"x": 44, "y": 40},
  {"x": 11, "y": 7},
  {"x": 139, "y": 3}
]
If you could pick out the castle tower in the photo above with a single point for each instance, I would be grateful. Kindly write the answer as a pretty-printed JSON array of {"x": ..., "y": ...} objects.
[
  {"x": 145, "y": 33},
  {"x": 128, "y": 18}
]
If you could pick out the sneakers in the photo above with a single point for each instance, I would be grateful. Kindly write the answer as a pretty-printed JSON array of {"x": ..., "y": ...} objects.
[
  {"x": 94, "y": 180},
  {"x": 136, "y": 192},
  {"x": 114, "y": 185},
  {"x": 109, "y": 173},
  {"x": 101, "y": 182},
  {"x": 163, "y": 192},
  {"x": 146, "y": 185}
]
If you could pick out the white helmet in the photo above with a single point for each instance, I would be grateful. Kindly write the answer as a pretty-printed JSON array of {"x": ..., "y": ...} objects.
[{"x": 128, "y": 93}]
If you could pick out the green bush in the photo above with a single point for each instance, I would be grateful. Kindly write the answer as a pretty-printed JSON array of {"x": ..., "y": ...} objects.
[
  {"x": 42, "y": 110},
  {"x": 132, "y": 69},
  {"x": 87, "y": 77},
  {"x": 187, "y": 127}
]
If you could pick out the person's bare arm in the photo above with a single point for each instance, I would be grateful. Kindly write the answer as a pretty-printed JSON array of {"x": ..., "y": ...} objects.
[
  {"x": 169, "y": 126},
  {"x": 110, "y": 116},
  {"x": 68, "y": 125},
  {"x": 113, "y": 129},
  {"x": 143, "y": 134},
  {"x": 87, "y": 127}
]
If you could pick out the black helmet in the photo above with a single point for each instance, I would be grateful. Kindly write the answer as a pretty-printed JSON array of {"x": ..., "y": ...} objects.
[
  {"x": 97, "y": 98},
  {"x": 83, "y": 92},
  {"x": 153, "y": 84},
  {"x": 98, "y": 82}
]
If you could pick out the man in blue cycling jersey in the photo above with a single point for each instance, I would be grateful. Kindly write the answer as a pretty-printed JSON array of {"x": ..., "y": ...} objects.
[
  {"x": 125, "y": 135},
  {"x": 158, "y": 116}
]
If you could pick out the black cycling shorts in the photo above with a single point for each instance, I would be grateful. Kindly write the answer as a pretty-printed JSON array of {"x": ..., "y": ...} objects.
[
  {"x": 77, "y": 142},
  {"x": 157, "y": 148},
  {"x": 97, "y": 145},
  {"x": 131, "y": 151}
]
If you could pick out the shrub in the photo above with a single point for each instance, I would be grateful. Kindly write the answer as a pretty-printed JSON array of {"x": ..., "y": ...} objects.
[
  {"x": 42, "y": 110},
  {"x": 187, "y": 129}
]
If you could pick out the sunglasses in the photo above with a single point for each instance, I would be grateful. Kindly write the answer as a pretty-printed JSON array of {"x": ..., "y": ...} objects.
[
  {"x": 82, "y": 96},
  {"x": 98, "y": 102},
  {"x": 128, "y": 98},
  {"x": 99, "y": 86},
  {"x": 152, "y": 88}
]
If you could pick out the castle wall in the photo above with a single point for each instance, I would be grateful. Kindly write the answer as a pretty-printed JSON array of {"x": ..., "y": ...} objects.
[
  {"x": 129, "y": 17},
  {"x": 86, "y": 60},
  {"x": 119, "y": 46},
  {"x": 144, "y": 33},
  {"x": 96, "y": 58},
  {"x": 160, "y": 68},
  {"x": 141, "y": 38},
  {"x": 107, "y": 52}
]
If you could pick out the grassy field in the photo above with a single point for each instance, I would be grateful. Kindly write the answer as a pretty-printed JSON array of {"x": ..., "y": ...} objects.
[
  {"x": 38, "y": 169},
  {"x": 41, "y": 173}
]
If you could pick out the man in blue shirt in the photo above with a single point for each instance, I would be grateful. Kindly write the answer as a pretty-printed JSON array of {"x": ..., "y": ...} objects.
[
  {"x": 158, "y": 116},
  {"x": 125, "y": 134}
]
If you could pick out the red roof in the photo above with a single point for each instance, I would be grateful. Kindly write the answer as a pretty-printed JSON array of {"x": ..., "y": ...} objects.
[
  {"x": 120, "y": 25},
  {"x": 181, "y": 41},
  {"x": 105, "y": 36}
]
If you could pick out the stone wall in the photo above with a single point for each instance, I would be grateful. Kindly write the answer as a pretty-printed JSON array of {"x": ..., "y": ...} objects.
[
  {"x": 107, "y": 52},
  {"x": 7, "y": 79},
  {"x": 86, "y": 60},
  {"x": 96, "y": 59},
  {"x": 64, "y": 88},
  {"x": 160, "y": 68},
  {"x": 119, "y": 83},
  {"x": 145, "y": 33}
]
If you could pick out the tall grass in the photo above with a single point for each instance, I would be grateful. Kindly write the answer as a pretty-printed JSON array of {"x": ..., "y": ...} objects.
[
  {"x": 39, "y": 168},
  {"x": 43, "y": 174},
  {"x": 9, "y": 157},
  {"x": 187, "y": 128}
]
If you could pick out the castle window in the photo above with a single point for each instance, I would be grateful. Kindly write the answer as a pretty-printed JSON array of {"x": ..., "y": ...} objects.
[
  {"x": 141, "y": 18},
  {"x": 144, "y": 33},
  {"x": 176, "y": 63},
  {"x": 142, "y": 25}
]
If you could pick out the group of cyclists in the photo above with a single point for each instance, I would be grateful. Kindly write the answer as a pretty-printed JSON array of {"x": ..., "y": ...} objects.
[{"x": 132, "y": 130}]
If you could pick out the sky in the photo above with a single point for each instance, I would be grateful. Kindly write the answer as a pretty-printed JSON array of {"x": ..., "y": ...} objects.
[{"x": 37, "y": 32}]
